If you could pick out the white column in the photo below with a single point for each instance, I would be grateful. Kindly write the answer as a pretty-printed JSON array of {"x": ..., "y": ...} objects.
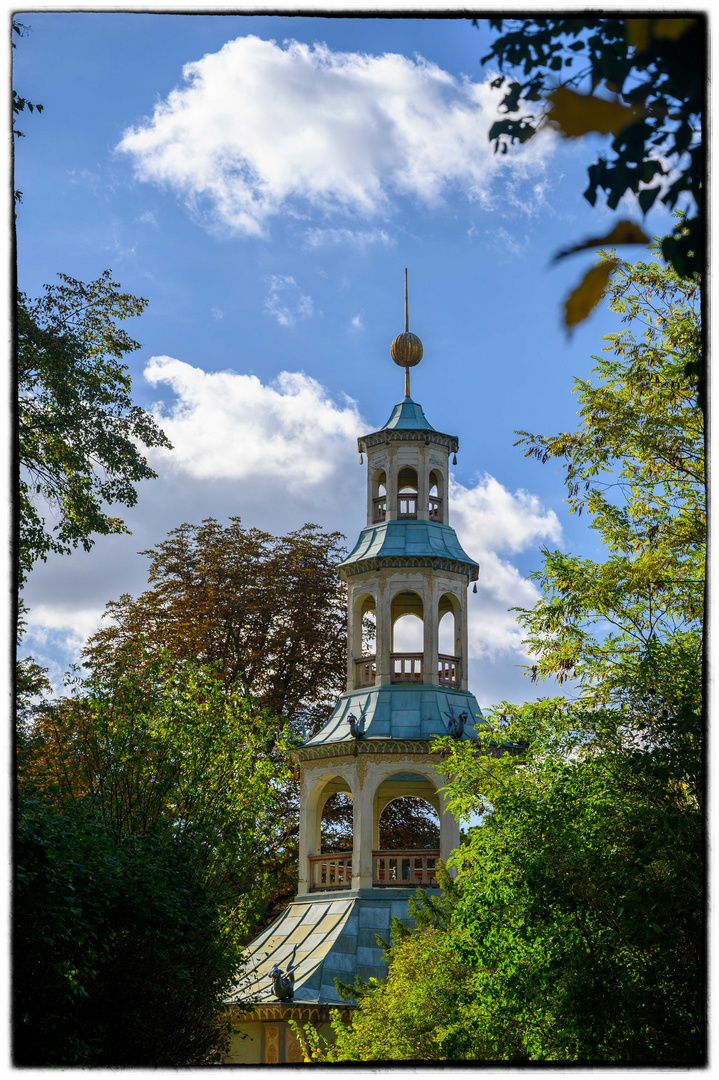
[
  {"x": 464, "y": 640},
  {"x": 391, "y": 486},
  {"x": 307, "y": 838},
  {"x": 351, "y": 634},
  {"x": 363, "y": 834},
  {"x": 423, "y": 484},
  {"x": 383, "y": 634},
  {"x": 431, "y": 631}
]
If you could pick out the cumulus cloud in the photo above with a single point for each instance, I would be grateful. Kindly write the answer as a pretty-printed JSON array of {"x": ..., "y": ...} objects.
[
  {"x": 491, "y": 522},
  {"x": 257, "y": 129},
  {"x": 285, "y": 301},
  {"x": 223, "y": 424}
]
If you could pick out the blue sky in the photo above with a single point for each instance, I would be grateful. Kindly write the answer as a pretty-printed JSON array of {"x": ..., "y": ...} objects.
[{"x": 264, "y": 181}]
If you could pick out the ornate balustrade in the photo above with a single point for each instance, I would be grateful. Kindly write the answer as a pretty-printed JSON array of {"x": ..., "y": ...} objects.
[
  {"x": 390, "y": 869},
  {"x": 448, "y": 671},
  {"x": 406, "y": 667},
  {"x": 365, "y": 671},
  {"x": 404, "y": 869},
  {"x": 406, "y": 506},
  {"x": 330, "y": 872}
]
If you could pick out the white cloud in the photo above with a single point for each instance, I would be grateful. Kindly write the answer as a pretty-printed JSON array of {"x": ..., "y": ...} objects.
[
  {"x": 284, "y": 303},
  {"x": 226, "y": 425},
  {"x": 358, "y": 238},
  {"x": 356, "y": 322},
  {"x": 490, "y": 520},
  {"x": 59, "y": 630},
  {"x": 257, "y": 129},
  {"x": 217, "y": 313},
  {"x": 496, "y": 519},
  {"x": 147, "y": 217}
]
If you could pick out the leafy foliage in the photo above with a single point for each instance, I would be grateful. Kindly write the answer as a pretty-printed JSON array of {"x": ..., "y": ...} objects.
[
  {"x": 148, "y": 834},
  {"x": 78, "y": 431},
  {"x": 580, "y": 911},
  {"x": 640, "y": 82},
  {"x": 267, "y": 610},
  {"x": 636, "y": 466},
  {"x": 119, "y": 959}
]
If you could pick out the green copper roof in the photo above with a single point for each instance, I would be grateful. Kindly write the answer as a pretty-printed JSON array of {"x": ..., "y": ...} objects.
[
  {"x": 397, "y": 539},
  {"x": 399, "y": 712},
  {"x": 408, "y": 416}
]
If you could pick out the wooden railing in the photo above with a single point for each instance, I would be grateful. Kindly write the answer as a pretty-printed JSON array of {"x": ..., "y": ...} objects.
[
  {"x": 365, "y": 671},
  {"x": 380, "y": 508},
  {"x": 404, "y": 869},
  {"x": 406, "y": 667},
  {"x": 448, "y": 670},
  {"x": 330, "y": 872}
]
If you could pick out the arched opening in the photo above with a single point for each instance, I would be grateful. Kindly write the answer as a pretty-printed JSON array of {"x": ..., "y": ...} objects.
[
  {"x": 364, "y": 635},
  {"x": 406, "y": 831},
  {"x": 449, "y": 642},
  {"x": 408, "y": 823},
  {"x": 435, "y": 496},
  {"x": 407, "y": 492},
  {"x": 336, "y": 823},
  {"x": 407, "y": 644},
  {"x": 379, "y": 495},
  {"x": 331, "y": 867}
]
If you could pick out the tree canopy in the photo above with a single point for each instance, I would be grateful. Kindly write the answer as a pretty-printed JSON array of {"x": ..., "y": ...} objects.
[
  {"x": 266, "y": 609},
  {"x": 149, "y": 847},
  {"x": 78, "y": 430}
]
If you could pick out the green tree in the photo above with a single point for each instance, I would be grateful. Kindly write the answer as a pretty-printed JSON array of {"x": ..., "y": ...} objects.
[
  {"x": 636, "y": 466},
  {"x": 267, "y": 610},
  {"x": 78, "y": 431},
  {"x": 148, "y": 828},
  {"x": 580, "y": 908},
  {"x": 640, "y": 83}
]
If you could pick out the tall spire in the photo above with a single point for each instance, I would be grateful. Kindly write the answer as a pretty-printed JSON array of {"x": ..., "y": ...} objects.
[{"x": 406, "y": 349}]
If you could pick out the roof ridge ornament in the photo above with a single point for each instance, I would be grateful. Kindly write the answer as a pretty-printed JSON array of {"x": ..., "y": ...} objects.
[{"x": 406, "y": 349}]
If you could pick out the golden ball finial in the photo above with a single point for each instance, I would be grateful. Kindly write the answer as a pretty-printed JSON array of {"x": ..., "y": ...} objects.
[{"x": 406, "y": 349}]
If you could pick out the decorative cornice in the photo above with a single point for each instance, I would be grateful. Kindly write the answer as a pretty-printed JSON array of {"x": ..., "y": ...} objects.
[
  {"x": 449, "y": 442},
  {"x": 381, "y": 562},
  {"x": 373, "y": 746},
  {"x": 307, "y": 1013}
]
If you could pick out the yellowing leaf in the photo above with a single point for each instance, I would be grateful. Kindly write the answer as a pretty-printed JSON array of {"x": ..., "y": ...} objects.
[
  {"x": 577, "y": 114},
  {"x": 624, "y": 232},
  {"x": 671, "y": 29},
  {"x": 638, "y": 33},
  {"x": 582, "y": 300}
]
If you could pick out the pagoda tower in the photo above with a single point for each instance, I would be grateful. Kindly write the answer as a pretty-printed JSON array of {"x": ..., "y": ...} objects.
[{"x": 377, "y": 744}]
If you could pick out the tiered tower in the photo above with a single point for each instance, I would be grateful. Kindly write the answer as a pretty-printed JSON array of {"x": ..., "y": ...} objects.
[{"x": 377, "y": 744}]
